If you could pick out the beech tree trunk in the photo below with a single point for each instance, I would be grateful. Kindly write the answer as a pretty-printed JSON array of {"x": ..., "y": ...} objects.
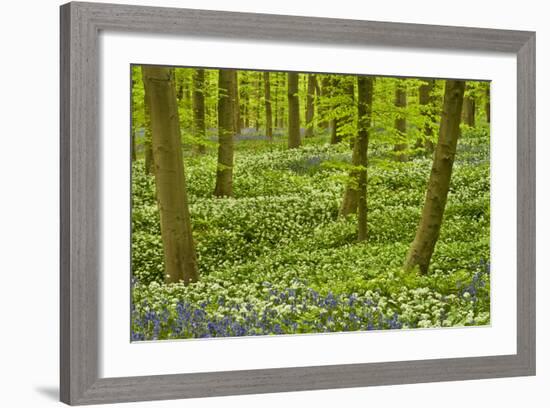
[
  {"x": 147, "y": 143},
  {"x": 237, "y": 108},
  {"x": 401, "y": 123},
  {"x": 469, "y": 111},
  {"x": 133, "y": 141},
  {"x": 180, "y": 260},
  {"x": 268, "y": 113},
  {"x": 310, "y": 107},
  {"x": 426, "y": 101},
  {"x": 293, "y": 111},
  {"x": 258, "y": 100},
  {"x": 351, "y": 193},
  {"x": 427, "y": 233},
  {"x": 226, "y": 133},
  {"x": 133, "y": 127},
  {"x": 321, "y": 110},
  {"x": 335, "y": 91},
  {"x": 357, "y": 177},
  {"x": 282, "y": 105},
  {"x": 364, "y": 115},
  {"x": 350, "y": 93},
  {"x": 198, "y": 109},
  {"x": 275, "y": 103}
]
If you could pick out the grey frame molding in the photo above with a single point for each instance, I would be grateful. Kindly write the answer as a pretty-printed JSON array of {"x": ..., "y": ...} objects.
[{"x": 80, "y": 192}]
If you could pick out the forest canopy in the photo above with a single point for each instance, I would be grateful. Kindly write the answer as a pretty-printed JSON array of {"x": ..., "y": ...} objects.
[{"x": 286, "y": 202}]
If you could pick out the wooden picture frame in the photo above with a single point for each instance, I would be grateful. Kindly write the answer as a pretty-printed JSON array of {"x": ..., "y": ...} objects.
[{"x": 80, "y": 192}]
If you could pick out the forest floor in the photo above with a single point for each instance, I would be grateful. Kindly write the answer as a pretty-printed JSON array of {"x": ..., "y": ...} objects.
[{"x": 277, "y": 259}]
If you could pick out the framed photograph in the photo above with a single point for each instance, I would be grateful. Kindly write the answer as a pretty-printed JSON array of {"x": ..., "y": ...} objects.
[{"x": 260, "y": 203}]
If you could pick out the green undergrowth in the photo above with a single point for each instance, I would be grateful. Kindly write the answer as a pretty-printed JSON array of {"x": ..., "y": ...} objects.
[{"x": 281, "y": 234}]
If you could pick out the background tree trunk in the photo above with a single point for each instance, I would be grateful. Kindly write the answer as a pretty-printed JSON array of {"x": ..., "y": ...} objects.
[
  {"x": 469, "y": 111},
  {"x": 258, "y": 100},
  {"x": 268, "y": 113},
  {"x": 282, "y": 105},
  {"x": 133, "y": 142},
  {"x": 226, "y": 133},
  {"x": 293, "y": 111},
  {"x": 350, "y": 202},
  {"x": 147, "y": 143},
  {"x": 321, "y": 110},
  {"x": 310, "y": 107},
  {"x": 427, "y": 233},
  {"x": 180, "y": 261},
  {"x": 198, "y": 109},
  {"x": 237, "y": 108},
  {"x": 335, "y": 92},
  {"x": 425, "y": 99},
  {"x": 364, "y": 114},
  {"x": 401, "y": 122}
]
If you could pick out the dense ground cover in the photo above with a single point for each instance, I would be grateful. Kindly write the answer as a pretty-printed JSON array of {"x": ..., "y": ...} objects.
[{"x": 277, "y": 259}]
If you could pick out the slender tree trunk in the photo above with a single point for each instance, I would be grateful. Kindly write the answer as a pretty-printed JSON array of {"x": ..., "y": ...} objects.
[
  {"x": 427, "y": 233},
  {"x": 352, "y": 194},
  {"x": 325, "y": 94},
  {"x": 282, "y": 105},
  {"x": 425, "y": 99},
  {"x": 133, "y": 127},
  {"x": 469, "y": 111},
  {"x": 133, "y": 142},
  {"x": 147, "y": 144},
  {"x": 180, "y": 260},
  {"x": 401, "y": 123},
  {"x": 258, "y": 100},
  {"x": 364, "y": 114},
  {"x": 237, "y": 108},
  {"x": 276, "y": 99},
  {"x": 198, "y": 109},
  {"x": 246, "y": 99},
  {"x": 226, "y": 133},
  {"x": 335, "y": 91},
  {"x": 310, "y": 104},
  {"x": 293, "y": 111},
  {"x": 350, "y": 93},
  {"x": 268, "y": 114}
]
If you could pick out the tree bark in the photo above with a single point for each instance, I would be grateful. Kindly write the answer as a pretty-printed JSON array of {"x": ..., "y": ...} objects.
[
  {"x": 276, "y": 99},
  {"x": 335, "y": 91},
  {"x": 282, "y": 105},
  {"x": 226, "y": 133},
  {"x": 268, "y": 113},
  {"x": 258, "y": 100},
  {"x": 364, "y": 115},
  {"x": 147, "y": 143},
  {"x": 401, "y": 123},
  {"x": 180, "y": 261},
  {"x": 133, "y": 125},
  {"x": 469, "y": 111},
  {"x": 321, "y": 110},
  {"x": 350, "y": 93},
  {"x": 356, "y": 183},
  {"x": 237, "y": 107},
  {"x": 310, "y": 106},
  {"x": 427, "y": 233},
  {"x": 426, "y": 101},
  {"x": 198, "y": 109},
  {"x": 293, "y": 111}
]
